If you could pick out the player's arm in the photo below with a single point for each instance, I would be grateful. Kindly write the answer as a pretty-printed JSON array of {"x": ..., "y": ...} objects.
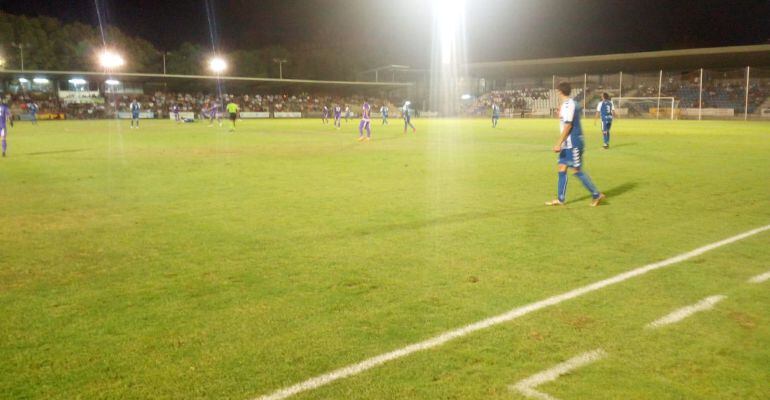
[
  {"x": 567, "y": 114},
  {"x": 598, "y": 112}
]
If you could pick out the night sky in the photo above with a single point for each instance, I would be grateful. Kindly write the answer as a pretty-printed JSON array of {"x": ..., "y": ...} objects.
[{"x": 401, "y": 29}]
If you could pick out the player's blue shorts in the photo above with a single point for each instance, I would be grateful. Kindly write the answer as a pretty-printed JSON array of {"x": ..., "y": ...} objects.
[
  {"x": 571, "y": 157},
  {"x": 135, "y": 115},
  {"x": 606, "y": 125}
]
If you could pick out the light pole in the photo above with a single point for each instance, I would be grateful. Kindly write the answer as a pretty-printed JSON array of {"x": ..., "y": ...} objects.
[
  {"x": 164, "y": 54},
  {"x": 110, "y": 60},
  {"x": 280, "y": 62},
  {"x": 21, "y": 47}
]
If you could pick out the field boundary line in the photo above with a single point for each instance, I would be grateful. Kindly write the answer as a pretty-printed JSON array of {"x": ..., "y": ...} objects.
[
  {"x": 760, "y": 278},
  {"x": 684, "y": 312},
  {"x": 357, "y": 368},
  {"x": 527, "y": 386}
]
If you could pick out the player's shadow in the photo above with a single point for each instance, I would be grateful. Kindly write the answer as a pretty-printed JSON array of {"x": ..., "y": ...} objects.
[
  {"x": 614, "y": 192},
  {"x": 44, "y": 153}
]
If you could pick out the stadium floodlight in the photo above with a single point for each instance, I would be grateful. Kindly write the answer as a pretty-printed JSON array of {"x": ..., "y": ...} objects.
[
  {"x": 217, "y": 65},
  {"x": 41, "y": 81},
  {"x": 109, "y": 59},
  {"x": 450, "y": 17},
  {"x": 77, "y": 81},
  {"x": 23, "y": 80}
]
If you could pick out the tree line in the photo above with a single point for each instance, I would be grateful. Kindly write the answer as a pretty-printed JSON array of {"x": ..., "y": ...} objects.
[{"x": 50, "y": 44}]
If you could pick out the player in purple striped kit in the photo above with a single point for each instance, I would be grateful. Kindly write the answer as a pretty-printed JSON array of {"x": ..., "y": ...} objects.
[
  {"x": 366, "y": 122},
  {"x": 5, "y": 116}
]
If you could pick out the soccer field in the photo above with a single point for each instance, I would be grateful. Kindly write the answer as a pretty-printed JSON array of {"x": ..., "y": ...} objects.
[{"x": 181, "y": 261}]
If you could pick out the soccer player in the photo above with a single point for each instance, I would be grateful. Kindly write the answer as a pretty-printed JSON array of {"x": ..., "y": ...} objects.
[
  {"x": 406, "y": 113},
  {"x": 214, "y": 113},
  {"x": 495, "y": 114},
  {"x": 5, "y": 116},
  {"x": 325, "y": 118},
  {"x": 347, "y": 113},
  {"x": 384, "y": 111},
  {"x": 570, "y": 148},
  {"x": 33, "y": 109},
  {"x": 338, "y": 116},
  {"x": 175, "y": 112},
  {"x": 135, "y": 108},
  {"x": 606, "y": 111},
  {"x": 232, "y": 110},
  {"x": 366, "y": 122}
]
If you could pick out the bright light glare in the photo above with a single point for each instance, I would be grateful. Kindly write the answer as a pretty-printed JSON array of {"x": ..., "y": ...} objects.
[
  {"x": 217, "y": 65},
  {"x": 466, "y": 97},
  {"x": 23, "y": 80},
  {"x": 450, "y": 17},
  {"x": 77, "y": 81},
  {"x": 40, "y": 81},
  {"x": 112, "y": 82},
  {"x": 110, "y": 60}
]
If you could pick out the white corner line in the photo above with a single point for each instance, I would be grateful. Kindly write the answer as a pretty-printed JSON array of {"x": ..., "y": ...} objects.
[
  {"x": 357, "y": 368},
  {"x": 684, "y": 312},
  {"x": 528, "y": 385},
  {"x": 760, "y": 278}
]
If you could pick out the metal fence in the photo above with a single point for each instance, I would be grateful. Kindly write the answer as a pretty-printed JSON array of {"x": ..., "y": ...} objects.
[{"x": 742, "y": 93}]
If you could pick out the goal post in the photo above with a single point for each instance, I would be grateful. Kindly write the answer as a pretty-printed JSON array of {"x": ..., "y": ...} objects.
[{"x": 646, "y": 107}]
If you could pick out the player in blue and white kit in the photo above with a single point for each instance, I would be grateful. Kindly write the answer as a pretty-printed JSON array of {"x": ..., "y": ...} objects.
[
  {"x": 495, "y": 114},
  {"x": 384, "y": 110},
  {"x": 135, "y": 109},
  {"x": 347, "y": 113},
  {"x": 366, "y": 122},
  {"x": 606, "y": 111},
  {"x": 325, "y": 118},
  {"x": 338, "y": 116},
  {"x": 570, "y": 148},
  {"x": 33, "y": 109},
  {"x": 5, "y": 117},
  {"x": 406, "y": 113}
]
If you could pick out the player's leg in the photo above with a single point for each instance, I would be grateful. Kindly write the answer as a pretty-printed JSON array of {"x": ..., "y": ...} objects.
[
  {"x": 2, "y": 137},
  {"x": 577, "y": 165},
  {"x": 368, "y": 130},
  {"x": 361, "y": 130},
  {"x": 561, "y": 183}
]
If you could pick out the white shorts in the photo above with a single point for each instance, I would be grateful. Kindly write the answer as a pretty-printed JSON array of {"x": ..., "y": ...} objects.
[{"x": 2, "y": 133}]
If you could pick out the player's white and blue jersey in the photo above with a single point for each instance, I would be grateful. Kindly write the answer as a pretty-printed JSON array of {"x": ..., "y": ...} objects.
[
  {"x": 605, "y": 110},
  {"x": 572, "y": 148},
  {"x": 384, "y": 111},
  {"x": 570, "y": 114},
  {"x": 495, "y": 111},
  {"x": 135, "y": 108}
]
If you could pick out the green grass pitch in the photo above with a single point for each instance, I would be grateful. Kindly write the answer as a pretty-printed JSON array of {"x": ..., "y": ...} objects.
[{"x": 186, "y": 262}]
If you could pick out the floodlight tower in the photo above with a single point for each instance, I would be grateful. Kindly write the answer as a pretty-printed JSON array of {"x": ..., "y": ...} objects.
[
  {"x": 21, "y": 47},
  {"x": 110, "y": 60},
  {"x": 217, "y": 65},
  {"x": 280, "y": 62},
  {"x": 448, "y": 66}
]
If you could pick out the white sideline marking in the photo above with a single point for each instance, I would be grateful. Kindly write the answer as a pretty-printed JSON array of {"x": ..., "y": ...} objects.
[
  {"x": 760, "y": 278},
  {"x": 684, "y": 312},
  {"x": 527, "y": 386},
  {"x": 355, "y": 369}
]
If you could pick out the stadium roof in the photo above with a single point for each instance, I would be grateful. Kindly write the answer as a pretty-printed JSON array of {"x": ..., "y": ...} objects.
[
  {"x": 133, "y": 76},
  {"x": 710, "y": 58}
]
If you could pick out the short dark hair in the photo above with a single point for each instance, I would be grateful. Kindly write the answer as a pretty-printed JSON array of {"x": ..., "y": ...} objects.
[
  {"x": 606, "y": 96},
  {"x": 565, "y": 88}
]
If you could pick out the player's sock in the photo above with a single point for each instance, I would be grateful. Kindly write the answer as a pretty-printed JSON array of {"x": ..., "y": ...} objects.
[
  {"x": 5, "y": 145},
  {"x": 587, "y": 183},
  {"x": 561, "y": 190}
]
